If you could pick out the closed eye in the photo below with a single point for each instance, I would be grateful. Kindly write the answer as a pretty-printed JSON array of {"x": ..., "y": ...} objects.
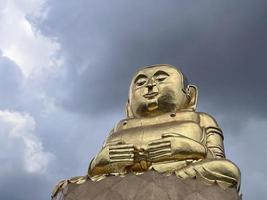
[
  {"x": 160, "y": 76},
  {"x": 140, "y": 80}
]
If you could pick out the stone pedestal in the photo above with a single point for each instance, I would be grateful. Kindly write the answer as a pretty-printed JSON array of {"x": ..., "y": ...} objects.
[{"x": 148, "y": 186}]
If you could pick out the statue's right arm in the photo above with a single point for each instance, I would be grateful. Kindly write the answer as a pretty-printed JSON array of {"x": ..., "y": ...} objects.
[
  {"x": 100, "y": 163},
  {"x": 114, "y": 157}
]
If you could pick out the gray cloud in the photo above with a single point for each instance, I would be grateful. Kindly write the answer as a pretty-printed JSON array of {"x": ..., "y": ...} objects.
[
  {"x": 218, "y": 44},
  {"x": 245, "y": 150},
  {"x": 10, "y": 84},
  {"x": 20, "y": 186}
]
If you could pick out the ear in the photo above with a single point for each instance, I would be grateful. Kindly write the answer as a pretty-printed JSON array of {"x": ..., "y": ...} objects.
[
  {"x": 128, "y": 110},
  {"x": 192, "y": 91}
]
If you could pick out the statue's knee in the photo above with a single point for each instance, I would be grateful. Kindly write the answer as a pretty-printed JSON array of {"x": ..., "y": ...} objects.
[{"x": 223, "y": 167}]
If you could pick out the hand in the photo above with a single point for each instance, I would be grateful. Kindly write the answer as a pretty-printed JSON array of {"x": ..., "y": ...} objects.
[
  {"x": 114, "y": 157},
  {"x": 173, "y": 146},
  {"x": 121, "y": 153}
]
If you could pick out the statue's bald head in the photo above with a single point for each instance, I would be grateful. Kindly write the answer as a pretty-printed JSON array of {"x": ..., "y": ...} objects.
[{"x": 157, "y": 89}]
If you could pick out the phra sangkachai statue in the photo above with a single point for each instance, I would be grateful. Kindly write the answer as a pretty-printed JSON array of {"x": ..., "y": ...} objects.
[{"x": 163, "y": 132}]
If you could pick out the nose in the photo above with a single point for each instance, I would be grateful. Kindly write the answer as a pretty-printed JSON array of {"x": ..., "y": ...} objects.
[
  {"x": 151, "y": 89},
  {"x": 151, "y": 83}
]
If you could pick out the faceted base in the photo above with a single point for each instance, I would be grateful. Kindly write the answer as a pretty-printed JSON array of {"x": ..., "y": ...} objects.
[{"x": 148, "y": 186}]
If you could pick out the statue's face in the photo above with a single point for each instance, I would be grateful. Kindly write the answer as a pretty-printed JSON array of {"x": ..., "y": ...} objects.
[{"x": 156, "y": 90}]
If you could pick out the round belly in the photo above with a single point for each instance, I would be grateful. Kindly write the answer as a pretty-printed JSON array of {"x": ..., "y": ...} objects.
[{"x": 143, "y": 135}]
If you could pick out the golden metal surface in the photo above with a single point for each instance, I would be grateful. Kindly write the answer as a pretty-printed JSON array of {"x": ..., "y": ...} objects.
[
  {"x": 163, "y": 132},
  {"x": 63, "y": 184}
]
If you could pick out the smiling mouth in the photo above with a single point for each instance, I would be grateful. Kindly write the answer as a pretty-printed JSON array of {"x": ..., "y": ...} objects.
[{"x": 151, "y": 95}]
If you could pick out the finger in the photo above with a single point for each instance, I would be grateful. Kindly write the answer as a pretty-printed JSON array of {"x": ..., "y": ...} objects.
[
  {"x": 159, "y": 146},
  {"x": 158, "y": 142},
  {"x": 114, "y": 151},
  {"x": 121, "y": 146},
  {"x": 121, "y": 156},
  {"x": 156, "y": 157},
  {"x": 160, "y": 151},
  {"x": 160, "y": 154},
  {"x": 166, "y": 135},
  {"x": 122, "y": 160}
]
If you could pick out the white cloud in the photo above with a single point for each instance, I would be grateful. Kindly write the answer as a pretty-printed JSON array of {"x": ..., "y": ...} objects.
[
  {"x": 21, "y": 42},
  {"x": 19, "y": 145}
]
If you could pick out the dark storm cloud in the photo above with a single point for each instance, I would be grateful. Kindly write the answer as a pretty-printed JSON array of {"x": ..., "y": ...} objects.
[
  {"x": 21, "y": 186},
  {"x": 220, "y": 46},
  {"x": 245, "y": 150}
]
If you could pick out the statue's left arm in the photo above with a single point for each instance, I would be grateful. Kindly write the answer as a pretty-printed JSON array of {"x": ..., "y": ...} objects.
[
  {"x": 214, "y": 136},
  {"x": 173, "y": 146},
  {"x": 215, "y": 168}
]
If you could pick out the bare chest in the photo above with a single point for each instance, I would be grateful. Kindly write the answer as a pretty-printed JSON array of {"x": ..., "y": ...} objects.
[{"x": 141, "y": 132}]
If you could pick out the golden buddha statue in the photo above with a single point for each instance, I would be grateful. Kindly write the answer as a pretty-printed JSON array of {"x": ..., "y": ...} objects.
[{"x": 163, "y": 132}]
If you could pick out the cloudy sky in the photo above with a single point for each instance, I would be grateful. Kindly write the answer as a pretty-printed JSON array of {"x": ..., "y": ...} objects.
[{"x": 65, "y": 69}]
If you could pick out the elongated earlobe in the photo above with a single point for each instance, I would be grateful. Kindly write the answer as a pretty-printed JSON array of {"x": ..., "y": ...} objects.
[
  {"x": 192, "y": 91},
  {"x": 128, "y": 110}
]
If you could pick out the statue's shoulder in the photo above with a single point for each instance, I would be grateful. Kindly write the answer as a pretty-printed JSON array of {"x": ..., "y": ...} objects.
[
  {"x": 64, "y": 183},
  {"x": 209, "y": 123},
  {"x": 207, "y": 120}
]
